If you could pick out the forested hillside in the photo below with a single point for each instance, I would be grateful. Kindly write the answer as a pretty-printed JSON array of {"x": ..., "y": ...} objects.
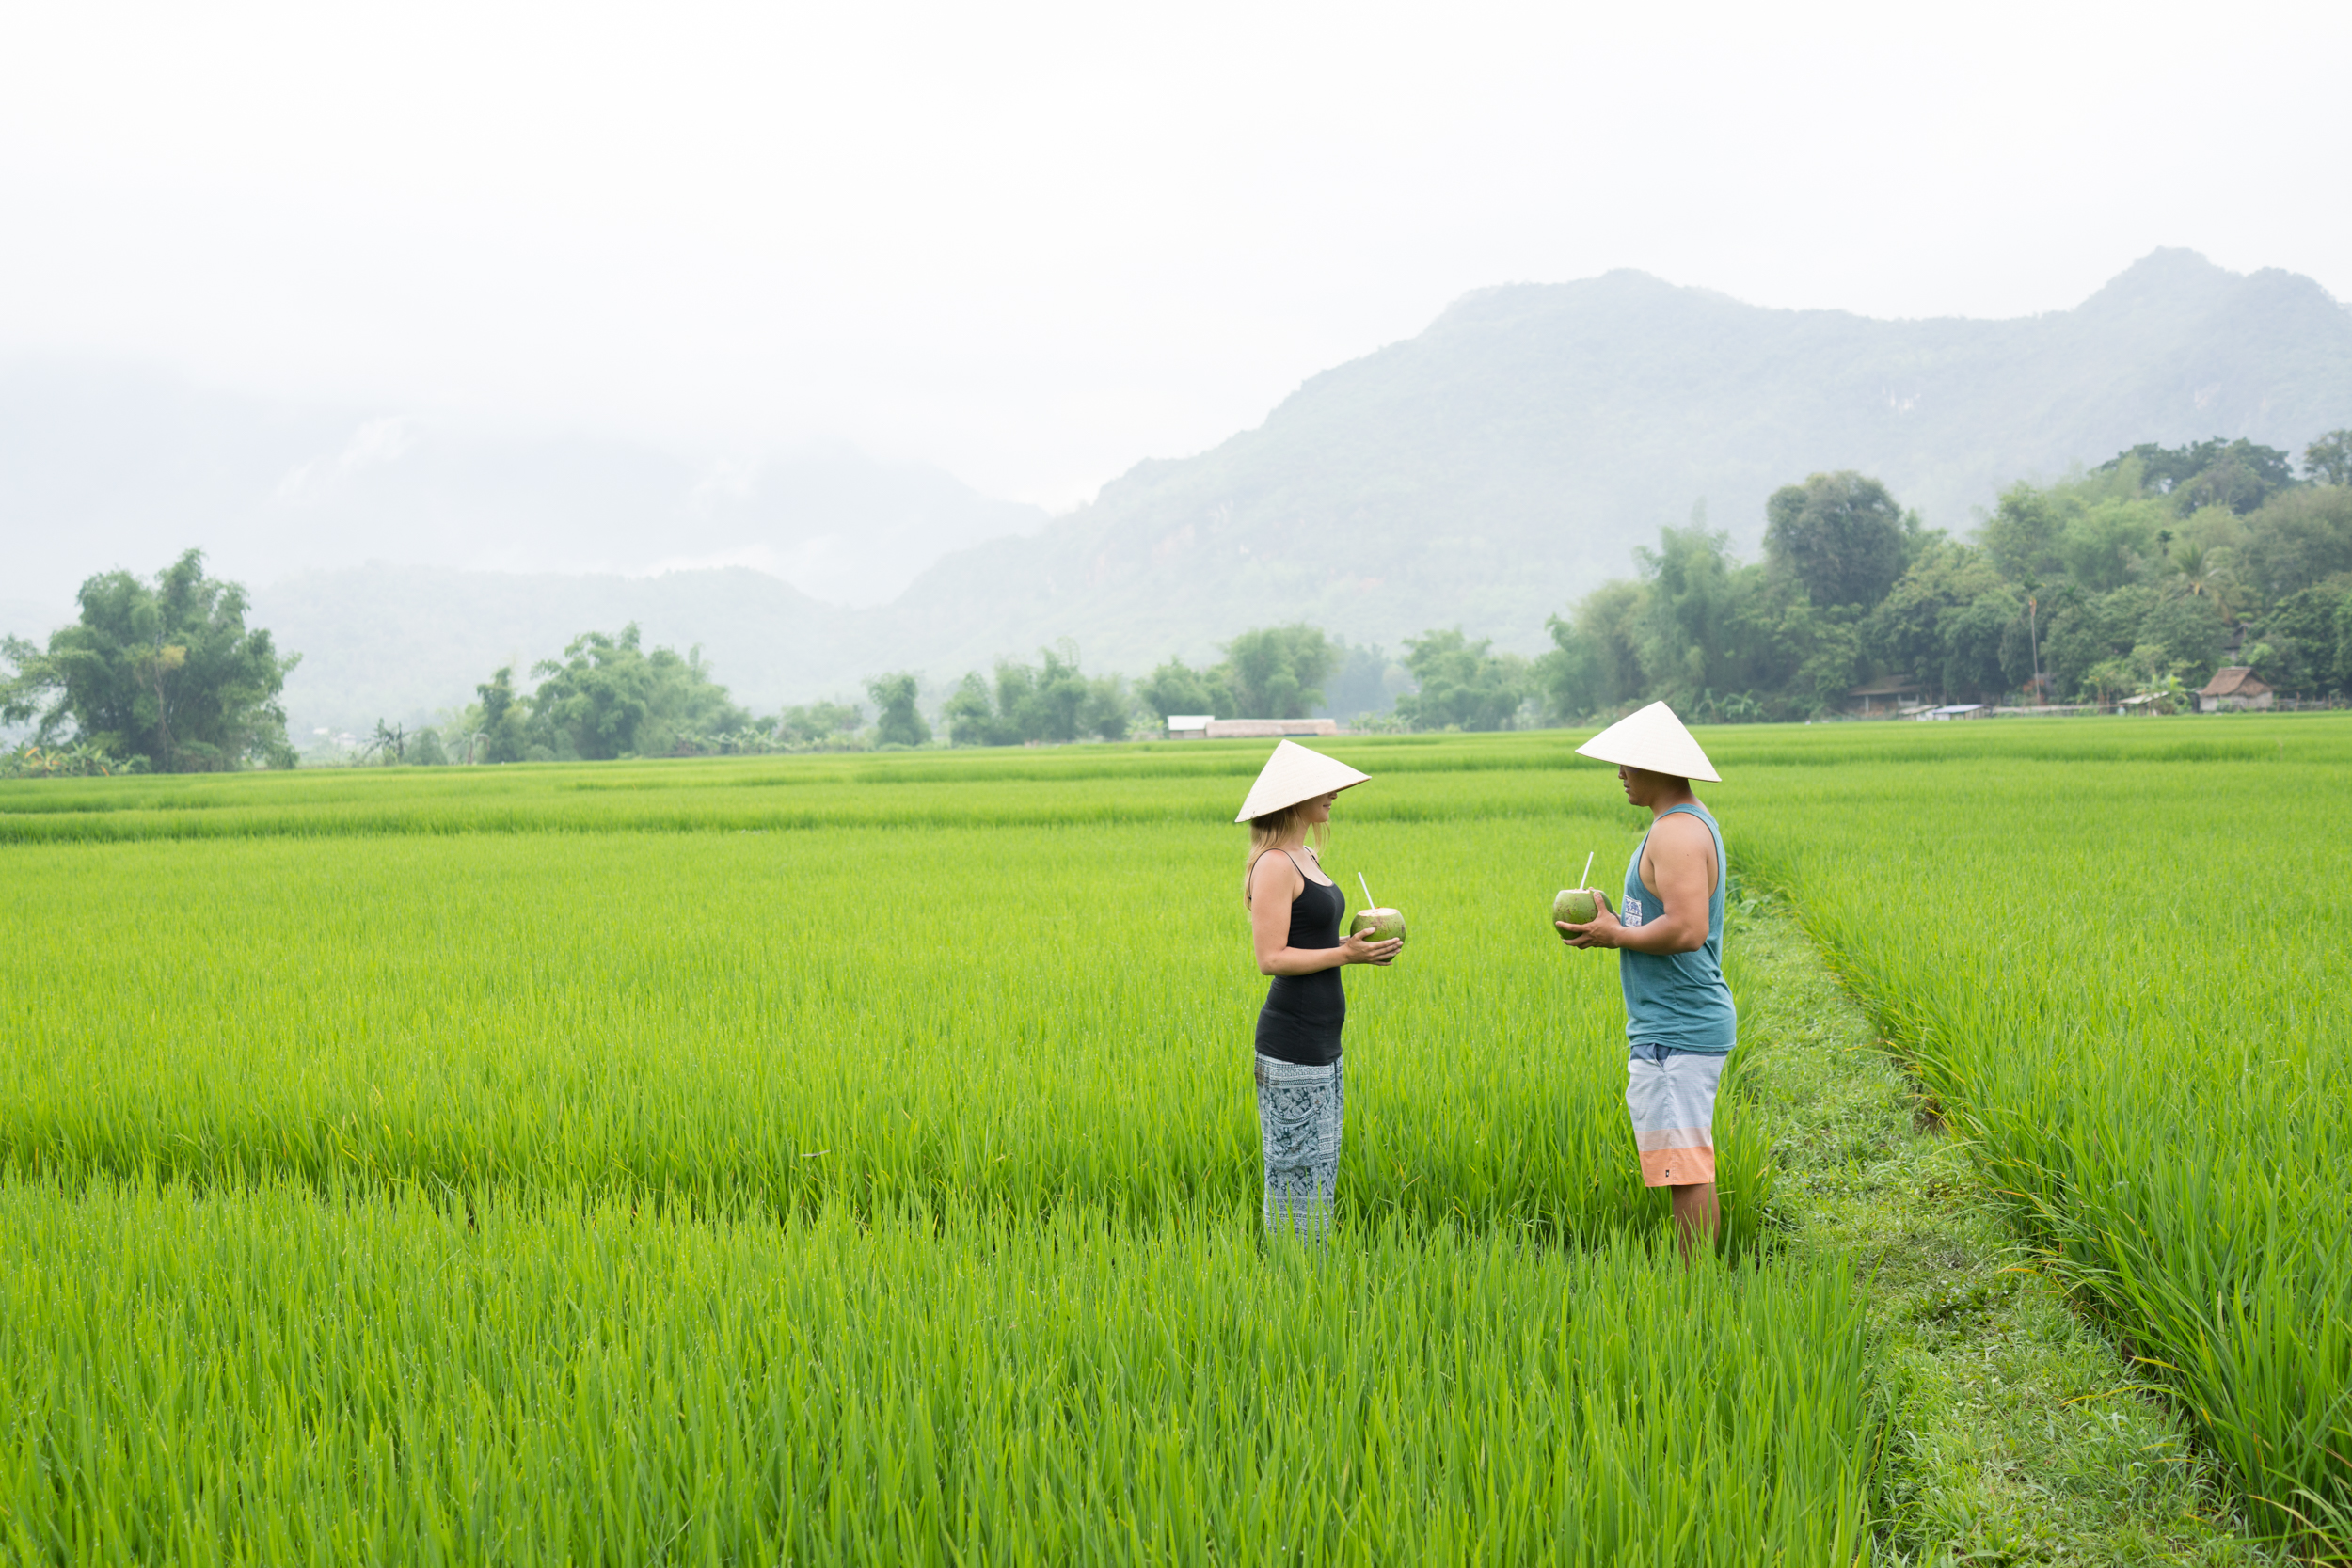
[
  {"x": 2138, "y": 579},
  {"x": 1504, "y": 463}
]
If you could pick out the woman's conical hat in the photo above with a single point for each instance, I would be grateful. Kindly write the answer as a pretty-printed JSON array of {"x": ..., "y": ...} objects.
[
  {"x": 1292, "y": 774},
  {"x": 1653, "y": 739}
]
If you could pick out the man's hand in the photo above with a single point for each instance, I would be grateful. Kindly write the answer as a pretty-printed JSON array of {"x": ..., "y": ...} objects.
[
  {"x": 1600, "y": 931},
  {"x": 1678, "y": 861}
]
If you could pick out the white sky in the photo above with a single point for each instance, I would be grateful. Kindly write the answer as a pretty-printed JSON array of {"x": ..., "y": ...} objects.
[{"x": 1035, "y": 242}]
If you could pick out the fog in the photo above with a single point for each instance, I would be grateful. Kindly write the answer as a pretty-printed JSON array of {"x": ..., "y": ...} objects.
[{"x": 1032, "y": 245}]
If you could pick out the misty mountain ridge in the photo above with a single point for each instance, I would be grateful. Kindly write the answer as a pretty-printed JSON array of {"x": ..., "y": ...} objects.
[
  {"x": 404, "y": 642},
  {"x": 1496, "y": 468},
  {"x": 1486, "y": 473},
  {"x": 141, "y": 466}
]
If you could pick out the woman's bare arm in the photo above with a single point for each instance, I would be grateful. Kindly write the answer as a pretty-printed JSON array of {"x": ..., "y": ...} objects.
[{"x": 1274, "y": 881}]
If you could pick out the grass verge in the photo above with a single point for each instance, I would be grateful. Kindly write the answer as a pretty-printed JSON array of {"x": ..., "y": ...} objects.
[{"x": 2013, "y": 1430}]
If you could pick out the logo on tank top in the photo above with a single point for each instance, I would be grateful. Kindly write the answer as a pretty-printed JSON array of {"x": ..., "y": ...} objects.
[{"x": 1633, "y": 913}]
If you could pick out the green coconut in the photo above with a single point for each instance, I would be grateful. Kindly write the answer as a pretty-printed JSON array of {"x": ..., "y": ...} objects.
[
  {"x": 1379, "y": 925},
  {"x": 1578, "y": 905}
]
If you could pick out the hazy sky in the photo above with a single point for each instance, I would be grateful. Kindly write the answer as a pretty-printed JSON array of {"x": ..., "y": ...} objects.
[{"x": 1035, "y": 242}]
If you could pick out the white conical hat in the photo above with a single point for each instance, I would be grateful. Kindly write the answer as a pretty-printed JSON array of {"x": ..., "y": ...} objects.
[
  {"x": 1653, "y": 739},
  {"x": 1292, "y": 774}
]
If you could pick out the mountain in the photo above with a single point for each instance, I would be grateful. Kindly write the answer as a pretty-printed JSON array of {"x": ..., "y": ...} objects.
[
  {"x": 404, "y": 643},
  {"x": 103, "y": 465},
  {"x": 1508, "y": 459},
  {"x": 1485, "y": 474}
]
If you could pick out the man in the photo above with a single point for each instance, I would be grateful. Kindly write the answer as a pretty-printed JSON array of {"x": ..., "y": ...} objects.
[{"x": 1668, "y": 932}]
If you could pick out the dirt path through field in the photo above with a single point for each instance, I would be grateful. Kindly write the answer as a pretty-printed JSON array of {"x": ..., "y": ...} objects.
[{"x": 2014, "y": 1430}]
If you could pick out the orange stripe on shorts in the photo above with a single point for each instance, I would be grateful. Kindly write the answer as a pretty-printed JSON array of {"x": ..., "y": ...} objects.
[{"x": 1680, "y": 1166}]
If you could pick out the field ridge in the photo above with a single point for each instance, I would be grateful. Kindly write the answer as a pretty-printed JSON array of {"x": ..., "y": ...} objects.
[{"x": 2014, "y": 1429}]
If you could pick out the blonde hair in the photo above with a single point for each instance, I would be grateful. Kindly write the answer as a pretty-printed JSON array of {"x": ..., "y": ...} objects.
[{"x": 1274, "y": 826}]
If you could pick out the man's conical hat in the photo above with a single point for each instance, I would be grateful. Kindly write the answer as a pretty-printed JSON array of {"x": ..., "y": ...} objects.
[
  {"x": 1292, "y": 774},
  {"x": 1653, "y": 739}
]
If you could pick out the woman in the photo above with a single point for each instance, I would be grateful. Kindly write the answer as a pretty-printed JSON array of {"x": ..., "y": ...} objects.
[{"x": 1294, "y": 914}]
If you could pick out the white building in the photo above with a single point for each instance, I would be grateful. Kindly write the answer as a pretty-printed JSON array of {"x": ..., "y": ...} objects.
[
  {"x": 1269, "y": 729},
  {"x": 1201, "y": 726}
]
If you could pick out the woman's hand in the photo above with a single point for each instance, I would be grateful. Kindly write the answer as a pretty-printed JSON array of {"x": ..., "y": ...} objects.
[{"x": 1360, "y": 949}]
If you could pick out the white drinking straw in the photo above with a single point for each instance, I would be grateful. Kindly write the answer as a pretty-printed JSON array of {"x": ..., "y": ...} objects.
[
  {"x": 1588, "y": 867},
  {"x": 1367, "y": 887}
]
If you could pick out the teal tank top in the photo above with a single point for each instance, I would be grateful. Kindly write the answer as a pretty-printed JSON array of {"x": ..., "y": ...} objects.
[{"x": 1677, "y": 999}]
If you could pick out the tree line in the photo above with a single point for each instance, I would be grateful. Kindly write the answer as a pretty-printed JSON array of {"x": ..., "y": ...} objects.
[
  {"x": 2137, "y": 578},
  {"x": 607, "y": 698}
]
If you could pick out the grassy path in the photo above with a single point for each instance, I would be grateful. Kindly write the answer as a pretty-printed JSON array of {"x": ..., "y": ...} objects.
[{"x": 2015, "y": 1432}]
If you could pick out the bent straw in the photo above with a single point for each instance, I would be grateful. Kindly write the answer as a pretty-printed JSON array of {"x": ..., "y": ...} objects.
[
  {"x": 1588, "y": 867},
  {"x": 1367, "y": 887}
]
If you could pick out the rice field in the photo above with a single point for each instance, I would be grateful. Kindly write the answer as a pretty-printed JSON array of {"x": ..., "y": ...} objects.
[
  {"x": 2130, "y": 978},
  {"x": 854, "y": 1158},
  {"x": 272, "y": 1379},
  {"x": 739, "y": 1022}
]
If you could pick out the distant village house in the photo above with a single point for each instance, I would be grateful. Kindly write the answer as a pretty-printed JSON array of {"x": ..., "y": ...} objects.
[
  {"x": 2233, "y": 687},
  {"x": 1882, "y": 697}
]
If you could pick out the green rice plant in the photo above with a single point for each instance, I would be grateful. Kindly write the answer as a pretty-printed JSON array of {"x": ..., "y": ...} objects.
[
  {"x": 735, "y": 1022},
  {"x": 1083, "y": 786},
  {"x": 1423, "y": 778},
  {"x": 853, "y": 1157},
  {"x": 2128, "y": 979},
  {"x": 262, "y": 1377}
]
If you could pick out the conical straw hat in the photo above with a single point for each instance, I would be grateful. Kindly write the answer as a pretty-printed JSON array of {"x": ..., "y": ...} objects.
[
  {"x": 1292, "y": 774},
  {"x": 1654, "y": 739}
]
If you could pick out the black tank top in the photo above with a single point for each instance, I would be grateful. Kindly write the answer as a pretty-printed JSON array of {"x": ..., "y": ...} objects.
[{"x": 1301, "y": 1019}]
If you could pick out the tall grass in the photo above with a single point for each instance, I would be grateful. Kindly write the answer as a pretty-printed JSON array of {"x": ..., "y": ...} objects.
[
  {"x": 2131, "y": 982},
  {"x": 265, "y": 1378},
  {"x": 752, "y": 794},
  {"x": 853, "y": 1158},
  {"x": 723, "y": 1021}
]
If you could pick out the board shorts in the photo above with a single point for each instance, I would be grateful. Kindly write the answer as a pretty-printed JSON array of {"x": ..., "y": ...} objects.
[
  {"x": 1671, "y": 1093},
  {"x": 1301, "y": 1112}
]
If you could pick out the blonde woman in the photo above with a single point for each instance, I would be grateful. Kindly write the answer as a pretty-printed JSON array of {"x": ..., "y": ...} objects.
[{"x": 1295, "y": 916}]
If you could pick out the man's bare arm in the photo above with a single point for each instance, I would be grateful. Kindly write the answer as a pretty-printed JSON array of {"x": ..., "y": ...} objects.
[{"x": 1679, "y": 862}]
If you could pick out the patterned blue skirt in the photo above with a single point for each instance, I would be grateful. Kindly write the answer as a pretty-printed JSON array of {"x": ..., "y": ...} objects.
[{"x": 1299, "y": 1122}]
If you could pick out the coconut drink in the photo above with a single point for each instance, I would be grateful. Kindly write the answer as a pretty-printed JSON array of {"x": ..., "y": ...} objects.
[
  {"x": 1577, "y": 906},
  {"x": 1375, "y": 920}
]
